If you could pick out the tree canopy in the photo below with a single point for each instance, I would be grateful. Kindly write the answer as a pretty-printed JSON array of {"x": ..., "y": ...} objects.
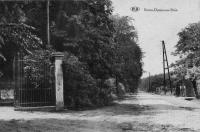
[{"x": 188, "y": 48}]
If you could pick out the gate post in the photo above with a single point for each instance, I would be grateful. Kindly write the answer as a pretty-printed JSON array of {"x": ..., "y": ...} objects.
[{"x": 58, "y": 56}]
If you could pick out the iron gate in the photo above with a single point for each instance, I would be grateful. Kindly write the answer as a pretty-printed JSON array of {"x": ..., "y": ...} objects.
[{"x": 34, "y": 82}]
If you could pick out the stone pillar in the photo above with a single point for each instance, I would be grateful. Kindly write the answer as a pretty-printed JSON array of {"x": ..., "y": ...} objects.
[{"x": 58, "y": 56}]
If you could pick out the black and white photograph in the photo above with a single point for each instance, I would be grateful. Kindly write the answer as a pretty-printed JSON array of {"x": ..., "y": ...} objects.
[{"x": 99, "y": 65}]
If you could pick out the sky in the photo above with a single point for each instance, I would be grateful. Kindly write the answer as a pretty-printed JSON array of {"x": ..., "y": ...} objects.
[{"x": 155, "y": 26}]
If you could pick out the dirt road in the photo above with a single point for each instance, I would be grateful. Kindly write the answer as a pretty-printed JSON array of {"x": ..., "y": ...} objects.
[{"x": 143, "y": 112}]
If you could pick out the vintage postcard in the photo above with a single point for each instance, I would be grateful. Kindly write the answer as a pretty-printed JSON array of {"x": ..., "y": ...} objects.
[{"x": 99, "y": 65}]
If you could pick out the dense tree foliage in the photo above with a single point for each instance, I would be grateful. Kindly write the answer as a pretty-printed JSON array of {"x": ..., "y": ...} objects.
[
  {"x": 188, "y": 47},
  {"x": 128, "y": 65},
  {"x": 15, "y": 35},
  {"x": 97, "y": 45},
  {"x": 16, "y": 38},
  {"x": 86, "y": 32}
]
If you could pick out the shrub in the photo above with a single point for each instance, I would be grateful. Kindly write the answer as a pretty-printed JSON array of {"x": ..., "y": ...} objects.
[{"x": 81, "y": 90}]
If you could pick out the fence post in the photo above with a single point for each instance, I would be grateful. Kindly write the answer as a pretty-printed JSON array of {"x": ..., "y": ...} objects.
[{"x": 58, "y": 56}]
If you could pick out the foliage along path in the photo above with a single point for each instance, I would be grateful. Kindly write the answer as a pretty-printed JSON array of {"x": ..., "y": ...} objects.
[{"x": 141, "y": 112}]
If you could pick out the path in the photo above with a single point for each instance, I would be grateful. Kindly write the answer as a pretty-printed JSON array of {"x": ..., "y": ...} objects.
[{"x": 137, "y": 113}]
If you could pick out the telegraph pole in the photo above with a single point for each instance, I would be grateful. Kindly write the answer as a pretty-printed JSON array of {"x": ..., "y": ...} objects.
[{"x": 165, "y": 67}]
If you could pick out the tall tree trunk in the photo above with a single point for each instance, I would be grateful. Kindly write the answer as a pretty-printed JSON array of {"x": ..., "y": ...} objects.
[{"x": 48, "y": 31}]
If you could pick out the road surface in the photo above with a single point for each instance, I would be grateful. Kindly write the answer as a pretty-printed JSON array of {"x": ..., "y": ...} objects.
[{"x": 142, "y": 112}]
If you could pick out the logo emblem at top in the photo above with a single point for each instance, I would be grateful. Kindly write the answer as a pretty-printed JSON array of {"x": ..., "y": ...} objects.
[{"x": 135, "y": 9}]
